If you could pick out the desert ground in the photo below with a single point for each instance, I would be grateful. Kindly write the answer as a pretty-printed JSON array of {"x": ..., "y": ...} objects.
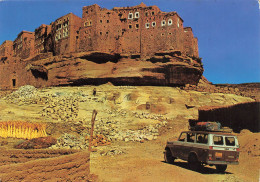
[{"x": 135, "y": 123}]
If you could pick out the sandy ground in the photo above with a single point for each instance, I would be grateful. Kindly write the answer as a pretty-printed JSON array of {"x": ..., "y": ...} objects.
[{"x": 144, "y": 161}]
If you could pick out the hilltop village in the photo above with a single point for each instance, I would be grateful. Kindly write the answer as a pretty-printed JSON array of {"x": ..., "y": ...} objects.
[{"x": 138, "y": 32}]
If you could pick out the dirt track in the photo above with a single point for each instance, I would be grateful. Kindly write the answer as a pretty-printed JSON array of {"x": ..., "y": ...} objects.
[{"x": 144, "y": 163}]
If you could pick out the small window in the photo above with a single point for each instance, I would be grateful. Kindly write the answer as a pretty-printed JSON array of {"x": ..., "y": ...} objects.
[
  {"x": 100, "y": 33},
  {"x": 218, "y": 140},
  {"x": 100, "y": 21},
  {"x": 107, "y": 21},
  {"x": 136, "y": 14},
  {"x": 152, "y": 12},
  {"x": 90, "y": 23},
  {"x": 182, "y": 137},
  {"x": 130, "y": 16},
  {"x": 136, "y": 26},
  {"x": 130, "y": 26},
  {"x": 146, "y": 13},
  {"x": 14, "y": 82},
  {"x": 163, "y": 23},
  {"x": 153, "y": 24},
  {"x": 147, "y": 25},
  {"x": 170, "y": 22},
  {"x": 202, "y": 138},
  {"x": 230, "y": 141},
  {"x": 190, "y": 137}
]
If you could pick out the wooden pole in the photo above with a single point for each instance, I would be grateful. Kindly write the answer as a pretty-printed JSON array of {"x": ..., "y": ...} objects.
[{"x": 94, "y": 114}]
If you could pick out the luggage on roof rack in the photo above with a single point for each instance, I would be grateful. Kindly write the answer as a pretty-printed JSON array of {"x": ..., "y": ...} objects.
[{"x": 204, "y": 126}]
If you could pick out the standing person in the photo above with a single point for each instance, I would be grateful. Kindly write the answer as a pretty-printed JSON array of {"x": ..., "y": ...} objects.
[{"x": 94, "y": 92}]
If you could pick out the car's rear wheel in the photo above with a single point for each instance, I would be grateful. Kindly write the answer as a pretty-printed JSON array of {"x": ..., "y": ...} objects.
[
  {"x": 194, "y": 163},
  {"x": 221, "y": 168},
  {"x": 168, "y": 156}
]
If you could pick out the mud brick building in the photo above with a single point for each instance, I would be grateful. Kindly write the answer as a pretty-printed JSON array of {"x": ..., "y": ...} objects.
[
  {"x": 190, "y": 43},
  {"x": 6, "y": 49},
  {"x": 137, "y": 30},
  {"x": 23, "y": 45},
  {"x": 42, "y": 33},
  {"x": 65, "y": 34}
]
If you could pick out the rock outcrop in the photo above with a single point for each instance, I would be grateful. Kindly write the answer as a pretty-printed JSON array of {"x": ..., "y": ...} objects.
[{"x": 163, "y": 69}]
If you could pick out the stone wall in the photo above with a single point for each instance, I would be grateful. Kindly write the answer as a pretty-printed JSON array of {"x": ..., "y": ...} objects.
[{"x": 238, "y": 117}]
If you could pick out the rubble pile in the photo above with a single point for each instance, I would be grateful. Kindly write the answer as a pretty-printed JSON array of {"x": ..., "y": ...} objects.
[
  {"x": 61, "y": 108},
  {"x": 114, "y": 131},
  {"x": 111, "y": 151},
  {"x": 25, "y": 95},
  {"x": 69, "y": 141}
]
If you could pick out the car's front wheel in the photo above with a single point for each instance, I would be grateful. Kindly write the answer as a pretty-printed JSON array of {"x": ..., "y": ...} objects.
[
  {"x": 168, "y": 156},
  {"x": 221, "y": 168}
]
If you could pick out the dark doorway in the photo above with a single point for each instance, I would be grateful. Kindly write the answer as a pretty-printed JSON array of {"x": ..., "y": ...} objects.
[{"x": 14, "y": 82}]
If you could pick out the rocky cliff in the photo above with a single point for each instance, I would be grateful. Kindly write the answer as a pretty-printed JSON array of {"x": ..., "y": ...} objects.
[{"x": 163, "y": 69}]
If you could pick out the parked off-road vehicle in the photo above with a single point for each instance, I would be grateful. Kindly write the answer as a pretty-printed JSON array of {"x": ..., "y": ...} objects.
[{"x": 204, "y": 148}]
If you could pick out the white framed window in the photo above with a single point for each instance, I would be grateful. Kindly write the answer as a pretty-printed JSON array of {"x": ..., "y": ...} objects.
[
  {"x": 130, "y": 16},
  {"x": 178, "y": 23},
  {"x": 163, "y": 23},
  {"x": 153, "y": 24},
  {"x": 170, "y": 22},
  {"x": 147, "y": 25},
  {"x": 137, "y": 15}
]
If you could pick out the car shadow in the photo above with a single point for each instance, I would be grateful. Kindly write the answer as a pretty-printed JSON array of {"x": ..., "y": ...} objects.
[{"x": 204, "y": 170}]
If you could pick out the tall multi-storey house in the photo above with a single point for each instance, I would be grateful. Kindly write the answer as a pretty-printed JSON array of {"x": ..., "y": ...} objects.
[
  {"x": 41, "y": 35},
  {"x": 23, "y": 45},
  {"x": 65, "y": 34},
  {"x": 137, "y": 30}
]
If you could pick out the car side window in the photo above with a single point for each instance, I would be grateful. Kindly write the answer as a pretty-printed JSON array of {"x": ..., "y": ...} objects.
[
  {"x": 190, "y": 137},
  {"x": 182, "y": 137},
  {"x": 230, "y": 141},
  {"x": 218, "y": 140},
  {"x": 202, "y": 138}
]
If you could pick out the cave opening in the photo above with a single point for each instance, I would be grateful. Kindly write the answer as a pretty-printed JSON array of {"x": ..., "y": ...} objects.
[{"x": 38, "y": 74}]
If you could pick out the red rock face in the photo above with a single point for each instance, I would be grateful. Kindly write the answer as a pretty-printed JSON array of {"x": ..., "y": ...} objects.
[{"x": 166, "y": 69}]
